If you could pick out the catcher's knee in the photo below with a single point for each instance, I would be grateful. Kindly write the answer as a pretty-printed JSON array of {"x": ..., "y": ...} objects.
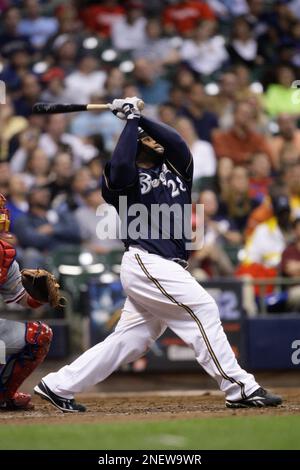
[
  {"x": 19, "y": 366},
  {"x": 38, "y": 334},
  {"x": 38, "y": 339}
]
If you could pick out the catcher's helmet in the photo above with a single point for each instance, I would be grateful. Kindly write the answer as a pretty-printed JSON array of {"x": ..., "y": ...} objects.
[{"x": 4, "y": 215}]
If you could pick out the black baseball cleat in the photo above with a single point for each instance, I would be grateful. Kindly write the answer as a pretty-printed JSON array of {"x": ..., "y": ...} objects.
[
  {"x": 63, "y": 404},
  {"x": 260, "y": 398}
]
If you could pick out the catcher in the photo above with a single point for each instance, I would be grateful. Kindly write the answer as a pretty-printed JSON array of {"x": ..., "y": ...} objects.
[{"x": 23, "y": 346}]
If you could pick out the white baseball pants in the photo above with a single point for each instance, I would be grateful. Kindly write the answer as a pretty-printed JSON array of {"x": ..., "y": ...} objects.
[{"x": 160, "y": 293}]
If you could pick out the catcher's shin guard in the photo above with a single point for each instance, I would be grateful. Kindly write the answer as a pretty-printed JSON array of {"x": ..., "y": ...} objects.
[{"x": 19, "y": 366}]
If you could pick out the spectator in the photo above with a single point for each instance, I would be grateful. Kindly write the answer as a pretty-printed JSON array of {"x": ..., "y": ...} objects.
[
  {"x": 86, "y": 81},
  {"x": 177, "y": 97},
  {"x": 264, "y": 211},
  {"x": 98, "y": 122},
  {"x": 205, "y": 53},
  {"x": 224, "y": 9},
  {"x": 256, "y": 16},
  {"x": 212, "y": 258},
  {"x": 158, "y": 49},
  {"x": 295, "y": 44},
  {"x": 289, "y": 186},
  {"x": 16, "y": 203},
  {"x": 260, "y": 177},
  {"x": 130, "y": 89},
  {"x": 240, "y": 142},
  {"x": 69, "y": 22},
  {"x": 65, "y": 51},
  {"x": 294, "y": 7},
  {"x": 28, "y": 142},
  {"x": 37, "y": 168},
  {"x": 224, "y": 172},
  {"x": 203, "y": 152},
  {"x": 237, "y": 203},
  {"x": 288, "y": 156},
  {"x": 128, "y": 32},
  {"x": 100, "y": 18},
  {"x": 261, "y": 119},
  {"x": 30, "y": 93},
  {"x": 268, "y": 241},
  {"x": 36, "y": 27},
  {"x": 242, "y": 73},
  {"x": 152, "y": 88},
  {"x": 10, "y": 34},
  {"x": 243, "y": 47},
  {"x": 279, "y": 95},
  {"x": 81, "y": 182},
  {"x": 221, "y": 228},
  {"x": 11, "y": 126},
  {"x": 203, "y": 120},
  {"x": 288, "y": 138},
  {"x": 5, "y": 175},
  {"x": 114, "y": 84},
  {"x": 95, "y": 167},
  {"x": 89, "y": 218},
  {"x": 223, "y": 103},
  {"x": 17, "y": 67},
  {"x": 56, "y": 91},
  {"x": 291, "y": 179},
  {"x": 61, "y": 175},
  {"x": 185, "y": 79},
  {"x": 40, "y": 231},
  {"x": 184, "y": 16},
  {"x": 290, "y": 267},
  {"x": 167, "y": 113},
  {"x": 56, "y": 138}
]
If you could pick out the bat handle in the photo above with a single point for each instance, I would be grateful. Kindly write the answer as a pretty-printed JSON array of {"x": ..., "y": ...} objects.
[{"x": 93, "y": 107}]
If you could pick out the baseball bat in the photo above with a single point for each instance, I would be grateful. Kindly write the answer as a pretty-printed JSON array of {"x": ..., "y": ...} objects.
[{"x": 54, "y": 108}]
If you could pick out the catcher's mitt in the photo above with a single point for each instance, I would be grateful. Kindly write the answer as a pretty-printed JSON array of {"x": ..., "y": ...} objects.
[{"x": 42, "y": 286}]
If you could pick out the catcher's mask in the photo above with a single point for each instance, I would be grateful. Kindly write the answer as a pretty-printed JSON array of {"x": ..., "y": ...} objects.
[
  {"x": 148, "y": 148},
  {"x": 4, "y": 216}
]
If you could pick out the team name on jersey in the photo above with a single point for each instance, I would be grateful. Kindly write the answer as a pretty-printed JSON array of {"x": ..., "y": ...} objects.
[{"x": 147, "y": 183}]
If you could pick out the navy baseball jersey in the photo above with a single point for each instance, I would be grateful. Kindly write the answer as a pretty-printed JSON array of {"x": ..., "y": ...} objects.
[{"x": 162, "y": 224}]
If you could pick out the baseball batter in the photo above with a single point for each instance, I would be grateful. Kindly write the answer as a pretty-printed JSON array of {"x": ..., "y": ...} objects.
[
  {"x": 151, "y": 164},
  {"x": 23, "y": 346}
]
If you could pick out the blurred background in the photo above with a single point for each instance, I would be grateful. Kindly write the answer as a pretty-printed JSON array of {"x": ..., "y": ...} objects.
[{"x": 224, "y": 74}]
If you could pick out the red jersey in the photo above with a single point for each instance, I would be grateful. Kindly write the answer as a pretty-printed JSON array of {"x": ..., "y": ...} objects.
[{"x": 185, "y": 16}]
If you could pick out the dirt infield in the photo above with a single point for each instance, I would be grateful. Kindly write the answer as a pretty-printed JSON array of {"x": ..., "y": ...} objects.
[{"x": 168, "y": 405}]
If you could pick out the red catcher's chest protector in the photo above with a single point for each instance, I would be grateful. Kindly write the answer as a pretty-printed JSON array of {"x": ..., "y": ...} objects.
[{"x": 7, "y": 256}]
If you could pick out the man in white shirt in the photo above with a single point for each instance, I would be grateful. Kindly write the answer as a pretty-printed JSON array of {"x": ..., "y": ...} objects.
[
  {"x": 128, "y": 32},
  {"x": 56, "y": 135},
  {"x": 88, "y": 80}
]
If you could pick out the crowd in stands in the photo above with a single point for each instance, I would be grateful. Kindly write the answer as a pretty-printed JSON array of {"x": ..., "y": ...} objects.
[{"x": 223, "y": 73}]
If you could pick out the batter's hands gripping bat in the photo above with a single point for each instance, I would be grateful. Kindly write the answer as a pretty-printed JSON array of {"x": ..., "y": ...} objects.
[{"x": 53, "y": 108}]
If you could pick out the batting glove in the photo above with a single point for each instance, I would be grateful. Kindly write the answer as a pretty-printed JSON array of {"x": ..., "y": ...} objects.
[
  {"x": 116, "y": 108},
  {"x": 130, "y": 108}
]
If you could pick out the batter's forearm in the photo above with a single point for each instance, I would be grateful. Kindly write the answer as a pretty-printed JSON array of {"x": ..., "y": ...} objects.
[{"x": 123, "y": 169}]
